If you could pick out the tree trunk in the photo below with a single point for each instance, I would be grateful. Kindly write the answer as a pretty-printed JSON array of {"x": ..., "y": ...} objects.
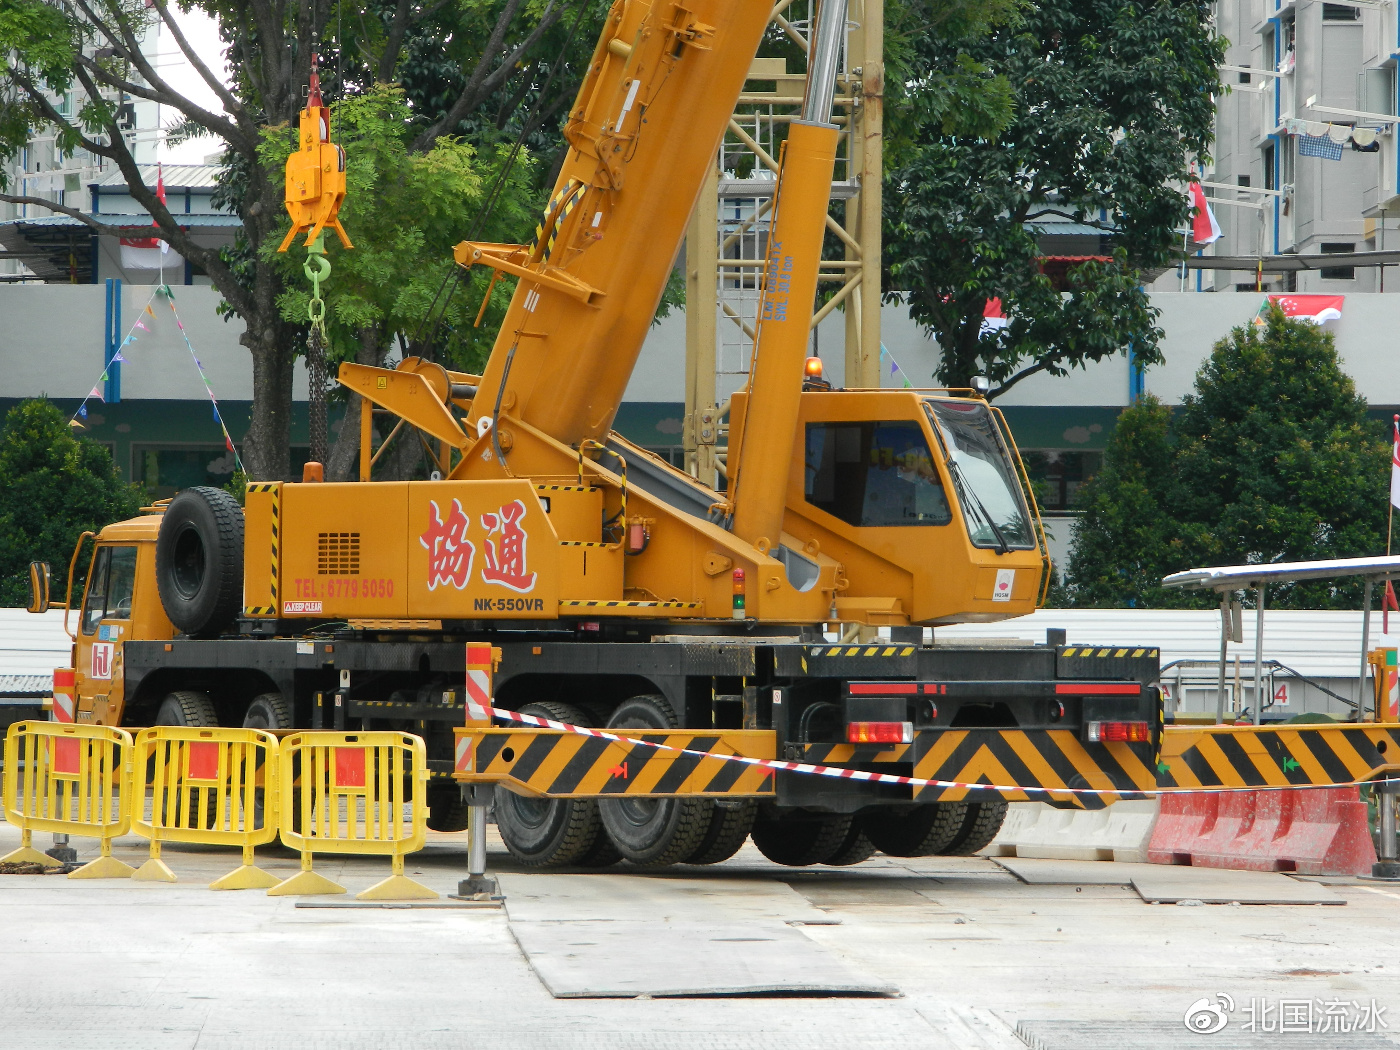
[
  {"x": 267, "y": 447},
  {"x": 343, "y": 462}
]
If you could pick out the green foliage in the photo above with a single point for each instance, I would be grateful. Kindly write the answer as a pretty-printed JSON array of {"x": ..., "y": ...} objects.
[
  {"x": 53, "y": 487},
  {"x": 404, "y": 211},
  {"x": 1107, "y": 102},
  {"x": 1271, "y": 459}
]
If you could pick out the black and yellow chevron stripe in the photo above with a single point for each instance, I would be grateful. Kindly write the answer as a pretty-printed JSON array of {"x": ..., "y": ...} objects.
[
  {"x": 855, "y": 754},
  {"x": 1272, "y": 756},
  {"x": 862, "y": 650},
  {"x": 557, "y": 764},
  {"x": 1051, "y": 758},
  {"x": 555, "y": 212},
  {"x": 274, "y": 488}
]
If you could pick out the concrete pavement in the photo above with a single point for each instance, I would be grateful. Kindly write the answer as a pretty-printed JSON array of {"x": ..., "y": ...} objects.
[{"x": 973, "y": 952}]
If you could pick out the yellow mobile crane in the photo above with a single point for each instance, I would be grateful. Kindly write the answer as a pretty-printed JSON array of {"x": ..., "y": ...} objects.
[{"x": 619, "y": 591}]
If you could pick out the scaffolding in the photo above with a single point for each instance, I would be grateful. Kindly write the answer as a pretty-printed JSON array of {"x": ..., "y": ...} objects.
[{"x": 727, "y": 240}]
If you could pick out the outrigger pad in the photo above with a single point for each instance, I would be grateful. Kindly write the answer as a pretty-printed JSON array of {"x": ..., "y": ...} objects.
[
  {"x": 305, "y": 884},
  {"x": 397, "y": 888},
  {"x": 246, "y": 877},
  {"x": 107, "y": 867},
  {"x": 30, "y": 855},
  {"x": 155, "y": 870}
]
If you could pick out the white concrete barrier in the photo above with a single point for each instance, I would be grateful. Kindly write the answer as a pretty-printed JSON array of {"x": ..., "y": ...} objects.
[{"x": 1035, "y": 829}]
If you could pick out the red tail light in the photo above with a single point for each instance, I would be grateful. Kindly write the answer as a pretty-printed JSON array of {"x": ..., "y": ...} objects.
[
  {"x": 880, "y": 732},
  {"x": 1118, "y": 732}
]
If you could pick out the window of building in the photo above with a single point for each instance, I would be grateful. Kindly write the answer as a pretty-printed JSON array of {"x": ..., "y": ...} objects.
[
  {"x": 1059, "y": 474},
  {"x": 1340, "y": 13},
  {"x": 1269, "y": 157},
  {"x": 1244, "y": 78},
  {"x": 1338, "y": 273},
  {"x": 1241, "y": 180},
  {"x": 166, "y": 469}
]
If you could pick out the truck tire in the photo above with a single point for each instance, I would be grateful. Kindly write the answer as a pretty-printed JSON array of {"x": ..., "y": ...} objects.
[
  {"x": 187, "y": 708},
  {"x": 602, "y": 854},
  {"x": 199, "y": 561},
  {"x": 653, "y": 832},
  {"x": 853, "y": 849},
  {"x": 924, "y": 831},
  {"x": 268, "y": 711},
  {"x": 446, "y": 809},
  {"x": 547, "y": 832},
  {"x": 728, "y": 831},
  {"x": 797, "y": 841},
  {"x": 979, "y": 827}
]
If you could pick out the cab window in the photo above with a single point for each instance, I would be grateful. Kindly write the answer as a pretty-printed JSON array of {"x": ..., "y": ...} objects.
[
  {"x": 874, "y": 474},
  {"x": 110, "y": 587}
]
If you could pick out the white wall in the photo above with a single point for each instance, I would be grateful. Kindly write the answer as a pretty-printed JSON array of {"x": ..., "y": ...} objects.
[{"x": 52, "y": 336}]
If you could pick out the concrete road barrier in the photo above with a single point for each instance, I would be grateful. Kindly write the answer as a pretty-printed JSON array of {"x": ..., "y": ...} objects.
[{"x": 1120, "y": 832}]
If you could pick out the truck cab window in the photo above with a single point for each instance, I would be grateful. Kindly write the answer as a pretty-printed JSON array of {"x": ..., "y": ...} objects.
[
  {"x": 874, "y": 474},
  {"x": 121, "y": 581},
  {"x": 97, "y": 590},
  {"x": 111, "y": 587},
  {"x": 983, "y": 475}
]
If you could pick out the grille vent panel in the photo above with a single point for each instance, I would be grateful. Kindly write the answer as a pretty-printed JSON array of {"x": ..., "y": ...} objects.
[{"x": 338, "y": 554}]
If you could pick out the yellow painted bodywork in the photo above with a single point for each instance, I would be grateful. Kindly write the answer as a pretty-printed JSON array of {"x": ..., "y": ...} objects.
[
  {"x": 100, "y": 699},
  {"x": 587, "y": 540}
]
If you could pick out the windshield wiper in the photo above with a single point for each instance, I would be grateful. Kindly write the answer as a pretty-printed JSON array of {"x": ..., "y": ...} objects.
[{"x": 967, "y": 494}]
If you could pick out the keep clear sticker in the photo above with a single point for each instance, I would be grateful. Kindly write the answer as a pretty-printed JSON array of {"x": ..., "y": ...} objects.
[{"x": 1006, "y": 579}]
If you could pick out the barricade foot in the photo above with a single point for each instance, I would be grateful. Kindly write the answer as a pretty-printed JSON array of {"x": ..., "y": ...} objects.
[
  {"x": 30, "y": 855},
  {"x": 154, "y": 870},
  {"x": 397, "y": 888},
  {"x": 246, "y": 877},
  {"x": 305, "y": 884},
  {"x": 104, "y": 867},
  {"x": 1384, "y": 871}
]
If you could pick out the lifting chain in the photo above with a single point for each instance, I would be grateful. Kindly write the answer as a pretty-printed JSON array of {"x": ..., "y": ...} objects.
[{"x": 317, "y": 268}]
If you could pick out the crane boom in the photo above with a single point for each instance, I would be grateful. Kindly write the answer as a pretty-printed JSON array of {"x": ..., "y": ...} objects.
[{"x": 647, "y": 121}]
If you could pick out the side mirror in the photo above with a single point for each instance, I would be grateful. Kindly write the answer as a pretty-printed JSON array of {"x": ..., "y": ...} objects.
[{"x": 38, "y": 586}]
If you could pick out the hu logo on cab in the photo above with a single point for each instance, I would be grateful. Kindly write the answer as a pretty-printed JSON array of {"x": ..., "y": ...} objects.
[{"x": 101, "y": 660}]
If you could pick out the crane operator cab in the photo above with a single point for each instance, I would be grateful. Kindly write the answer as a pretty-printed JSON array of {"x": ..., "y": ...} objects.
[{"x": 924, "y": 501}]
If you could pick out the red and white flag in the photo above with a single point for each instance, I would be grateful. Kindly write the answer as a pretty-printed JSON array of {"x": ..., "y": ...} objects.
[
  {"x": 1395, "y": 466},
  {"x": 1204, "y": 228},
  {"x": 148, "y": 253},
  {"x": 993, "y": 317},
  {"x": 1314, "y": 308}
]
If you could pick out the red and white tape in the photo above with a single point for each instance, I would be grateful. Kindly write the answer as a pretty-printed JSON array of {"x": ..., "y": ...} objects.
[{"x": 892, "y": 778}]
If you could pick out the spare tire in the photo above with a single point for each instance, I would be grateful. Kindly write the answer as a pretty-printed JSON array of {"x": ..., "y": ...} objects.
[{"x": 199, "y": 561}]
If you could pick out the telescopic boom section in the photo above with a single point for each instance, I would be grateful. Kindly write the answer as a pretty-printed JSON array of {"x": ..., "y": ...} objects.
[
  {"x": 759, "y": 475},
  {"x": 643, "y": 131}
]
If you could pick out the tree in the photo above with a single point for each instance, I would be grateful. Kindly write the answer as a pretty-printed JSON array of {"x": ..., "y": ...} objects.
[
  {"x": 1127, "y": 538},
  {"x": 52, "y": 47},
  {"x": 1271, "y": 459},
  {"x": 1109, "y": 100},
  {"x": 53, "y": 487},
  {"x": 407, "y": 210}
]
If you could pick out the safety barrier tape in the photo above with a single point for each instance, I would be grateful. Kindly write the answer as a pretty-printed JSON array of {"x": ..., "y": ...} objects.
[{"x": 893, "y": 778}]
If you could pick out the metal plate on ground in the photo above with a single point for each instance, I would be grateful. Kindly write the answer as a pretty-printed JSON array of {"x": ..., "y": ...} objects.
[
  {"x": 1162, "y": 1035},
  {"x": 1170, "y": 884},
  {"x": 1072, "y": 872},
  {"x": 632, "y": 897},
  {"x": 609, "y": 960}
]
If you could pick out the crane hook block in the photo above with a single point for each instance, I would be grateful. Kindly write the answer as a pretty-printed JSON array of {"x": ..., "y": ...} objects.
[{"x": 315, "y": 173}]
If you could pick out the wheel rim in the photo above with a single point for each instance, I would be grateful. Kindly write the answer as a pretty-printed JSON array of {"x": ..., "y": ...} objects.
[
  {"x": 639, "y": 812},
  {"x": 188, "y": 563},
  {"x": 533, "y": 813}
]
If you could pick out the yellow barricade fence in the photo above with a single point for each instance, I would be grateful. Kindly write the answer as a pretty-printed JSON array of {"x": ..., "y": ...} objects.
[
  {"x": 346, "y": 793},
  {"x": 212, "y": 786},
  {"x": 69, "y": 779}
]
